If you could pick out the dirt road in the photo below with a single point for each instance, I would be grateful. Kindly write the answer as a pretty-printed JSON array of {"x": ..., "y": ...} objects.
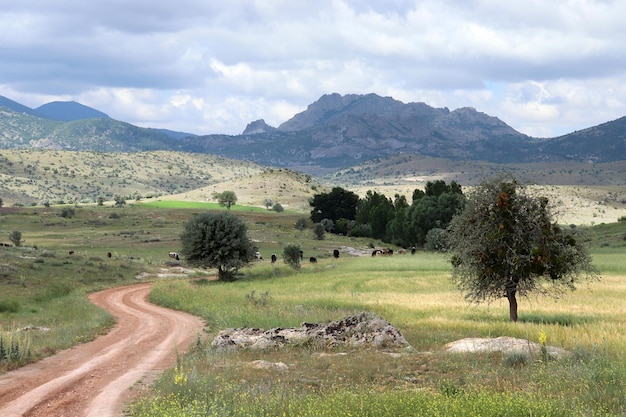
[{"x": 95, "y": 378}]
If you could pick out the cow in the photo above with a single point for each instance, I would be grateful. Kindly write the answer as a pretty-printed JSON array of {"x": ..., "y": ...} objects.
[
  {"x": 109, "y": 254},
  {"x": 258, "y": 256},
  {"x": 313, "y": 259},
  {"x": 336, "y": 253},
  {"x": 301, "y": 255},
  {"x": 174, "y": 255},
  {"x": 71, "y": 252},
  {"x": 274, "y": 258},
  {"x": 413, "y": 250},
  {"x": 401, "y": 251},
  {"x": 377, "y": 252}
]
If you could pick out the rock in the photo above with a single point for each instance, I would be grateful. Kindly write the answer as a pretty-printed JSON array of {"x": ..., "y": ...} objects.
[
  {"x": 275, "y": 366},
  {"x": 503, "y": 344},
  {"x": 363, "y": 330}
]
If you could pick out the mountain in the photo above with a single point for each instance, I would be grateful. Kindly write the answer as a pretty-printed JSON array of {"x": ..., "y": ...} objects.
[
  {"x": 333, "y": 132},
  {"x": 69, "y": 111},
  {"x": 338, "y": 131}
]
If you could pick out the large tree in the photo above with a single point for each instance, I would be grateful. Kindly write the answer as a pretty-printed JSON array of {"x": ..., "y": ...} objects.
[
  {"x": 505, "y": 243},
  {"x": 217, "y": 240},
  {"x": 338, "y": 204}
]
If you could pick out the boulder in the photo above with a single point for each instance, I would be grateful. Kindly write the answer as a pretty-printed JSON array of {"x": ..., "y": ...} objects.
[
  {"x": 364, "y": 330},
  {"x": 502, "y": 344}
]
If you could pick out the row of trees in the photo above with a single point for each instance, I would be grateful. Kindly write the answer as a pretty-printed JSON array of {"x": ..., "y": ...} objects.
[{"x": 394, "y": 220}]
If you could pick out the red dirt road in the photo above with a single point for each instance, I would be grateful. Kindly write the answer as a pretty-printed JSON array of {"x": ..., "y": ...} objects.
[{"x": 95, "y": 378}]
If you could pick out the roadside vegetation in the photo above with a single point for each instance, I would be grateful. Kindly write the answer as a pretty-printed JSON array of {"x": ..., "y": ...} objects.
[{"x": 44, "y": 286}]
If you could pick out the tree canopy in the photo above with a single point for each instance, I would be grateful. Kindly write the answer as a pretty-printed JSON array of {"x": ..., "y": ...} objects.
[
  {"x": 505, "y": 243},
  {"x": 217, "y": 240},
  {"x": 225, "y": 198},
  {"x": 338, "y": 204}
]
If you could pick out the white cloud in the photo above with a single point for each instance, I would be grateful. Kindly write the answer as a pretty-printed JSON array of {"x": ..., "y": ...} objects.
[{"x": 546, "y": 68}]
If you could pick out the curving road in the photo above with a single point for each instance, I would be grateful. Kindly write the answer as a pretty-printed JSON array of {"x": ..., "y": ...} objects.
[{"x": 95, "y": 378}]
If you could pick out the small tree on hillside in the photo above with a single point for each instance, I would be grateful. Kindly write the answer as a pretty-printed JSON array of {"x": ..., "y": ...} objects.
[
  {"x": 267, "y": 202},
  {"x": 226, "y": 198},
  {"x": 217, "y": 240},
  {"x": 504, "y": 243}
]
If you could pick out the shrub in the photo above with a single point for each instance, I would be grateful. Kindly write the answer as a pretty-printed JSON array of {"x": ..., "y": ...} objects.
[
  {"x": 291, "y": 255},
  {"x": 300, "y": 223},
  {"x": 68, "y": 212},
  {"x": 9, "y": 306}
]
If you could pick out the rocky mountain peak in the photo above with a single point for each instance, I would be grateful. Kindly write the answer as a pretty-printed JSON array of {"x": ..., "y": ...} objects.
[{"x": 256, "y": 127}]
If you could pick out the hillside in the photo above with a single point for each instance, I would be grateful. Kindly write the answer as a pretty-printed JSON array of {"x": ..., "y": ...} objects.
[{"x": 586, "y": 194}]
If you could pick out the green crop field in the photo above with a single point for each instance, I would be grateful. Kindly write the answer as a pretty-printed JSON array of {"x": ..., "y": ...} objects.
[{"x": 43, "y": 285}]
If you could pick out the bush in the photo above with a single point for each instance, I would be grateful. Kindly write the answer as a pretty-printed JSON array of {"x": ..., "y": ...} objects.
[
  {"x": 318, "y": 231},
  {"x": 291, "y": 255},
  {"x": 68, "y": 212},
  {"x": 9, "y": 306},
  {"x": 361, "y": 230},
  {"x": 436, "y": 240},
  {"x": 300, "y": 223},
  {"x": 278, "y": 208}
]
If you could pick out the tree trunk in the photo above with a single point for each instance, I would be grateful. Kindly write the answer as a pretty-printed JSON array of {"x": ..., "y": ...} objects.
[{"x": 510, "y": 295}]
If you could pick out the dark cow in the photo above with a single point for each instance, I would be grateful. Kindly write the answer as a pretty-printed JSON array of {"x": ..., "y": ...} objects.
[
  {"x": 301, "y": 255},
  {"x": 336, "y": 253},
  {"x": 174, "y": 255},
  {"x": 274, "y": 258},
  {"x": 109, "y": 254},
  {"x": 258, "y": 256},
  {"x": 377, "y": 252},
  {"x": 413, "y": 250},
  {"x": 313, "y": 259},
  {"x": 71, "y": 252}
]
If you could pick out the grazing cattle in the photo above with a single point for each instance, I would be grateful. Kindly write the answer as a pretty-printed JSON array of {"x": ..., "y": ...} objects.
[
  {"x": 313, "y": 259},
  {"x": 413, "y": 250},
  {"x": 258, "y": 256},
  {"x": 301, "y": 255},
  {"x": 174, "y": 255},
  {"x": 109, "y": 254},
  {"x": 274, "y": 258},
  {"x": 71, "y": 252},
  {"x": 336, "y": 253},
  {"x": 401, "y": 251},
  {"x": 377, "y": 252}
]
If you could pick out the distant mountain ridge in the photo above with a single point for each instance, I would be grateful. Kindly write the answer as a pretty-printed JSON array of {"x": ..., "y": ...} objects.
[
  {"x": 68, "y": 111},
  {"x": 333, "y": 132}
]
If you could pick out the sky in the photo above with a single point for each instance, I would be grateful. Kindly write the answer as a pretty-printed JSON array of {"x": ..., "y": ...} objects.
[{"x": 546, "y": 68}]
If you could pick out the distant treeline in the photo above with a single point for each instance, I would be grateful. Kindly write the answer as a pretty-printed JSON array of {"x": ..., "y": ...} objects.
[{"x": 396, "y": 221}]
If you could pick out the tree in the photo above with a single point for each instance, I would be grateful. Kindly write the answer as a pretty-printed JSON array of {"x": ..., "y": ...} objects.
[
  {"x": 318, "y": 231},
  {"x": 278, "y": 208},
  {"x": 217, "y": 240},
  {"x": 292, "y": 255},
  {"x": 267, "y": 202},
  {"x": 119, "y": 201},
  {"x": 505, "y": 243},
  {"x": 337, "y": 204},
  {"x": 1, "y": 202},
  {"x": 225, "y": 198},
  {"x": 16, "y": 238}
]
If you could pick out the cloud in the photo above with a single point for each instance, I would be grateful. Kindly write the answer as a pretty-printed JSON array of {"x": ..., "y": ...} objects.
[{"x": 545, "y": 68}]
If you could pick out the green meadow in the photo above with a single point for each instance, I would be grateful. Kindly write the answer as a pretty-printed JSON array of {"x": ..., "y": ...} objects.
[{"x": 43, "y": 285}]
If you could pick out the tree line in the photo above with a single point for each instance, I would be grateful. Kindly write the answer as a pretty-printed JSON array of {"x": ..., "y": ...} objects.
[{"x": 391, "y": 220}]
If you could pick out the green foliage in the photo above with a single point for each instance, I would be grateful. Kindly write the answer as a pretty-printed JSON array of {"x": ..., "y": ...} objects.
[
  {"x": 504, "y": 243},
  {"x": 278, "y": 208},
  {"x": 68, "y": 212},
  {"x": 217, "y": 240},
  {"x": 259, "y": 301},
  {"x": 337, "y": 204},
  {"x": 319, "y": 231},
  {"x": 268, "y": 202},
  {"x": 436, "y": 240},
  {"x": 292, "y": 255},
  {"x": 300, "y": 224},
  {"x": 225, "y": 198},
  {"x": 16, "y": 237},
  {"x": 9, "y": 306}
]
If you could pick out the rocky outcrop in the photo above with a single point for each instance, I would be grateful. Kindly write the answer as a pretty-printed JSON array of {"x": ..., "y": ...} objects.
[{"x": 364, "y": 330}]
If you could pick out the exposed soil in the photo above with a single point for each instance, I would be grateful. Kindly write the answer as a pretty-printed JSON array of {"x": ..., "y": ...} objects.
[{"x": 98, "y": 378}]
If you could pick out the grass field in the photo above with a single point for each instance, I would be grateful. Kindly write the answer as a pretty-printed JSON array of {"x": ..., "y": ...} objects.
[{"x": 40, "y": 279}]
